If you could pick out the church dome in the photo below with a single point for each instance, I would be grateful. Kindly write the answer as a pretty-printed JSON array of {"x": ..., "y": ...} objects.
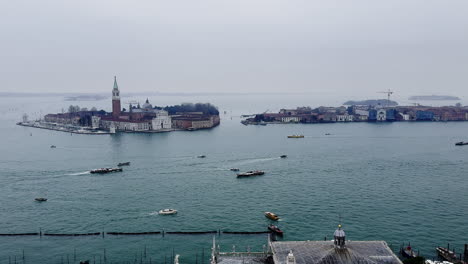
[{"x": 147, "y": 105}]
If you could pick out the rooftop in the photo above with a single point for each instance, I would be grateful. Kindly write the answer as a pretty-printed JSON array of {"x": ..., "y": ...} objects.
[{"x": 322, "y": 252}]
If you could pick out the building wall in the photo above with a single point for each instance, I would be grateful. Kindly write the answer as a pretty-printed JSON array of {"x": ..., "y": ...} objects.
[
  {"x": 125, "y": 126},
  {"x": 161, "y": 122},
  {"x": 95, "y": 121},
  {"x": 289, "y": 119}
]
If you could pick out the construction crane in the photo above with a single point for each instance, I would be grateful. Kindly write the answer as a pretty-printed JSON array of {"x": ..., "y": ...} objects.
[{"x": 388, "y": 92}]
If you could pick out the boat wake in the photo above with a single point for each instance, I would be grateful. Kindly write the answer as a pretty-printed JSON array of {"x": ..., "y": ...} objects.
[
  {"x": 154, "y": 213},
  {"x": 78, "y": 173},
  {"x": 256, "y": 160}
]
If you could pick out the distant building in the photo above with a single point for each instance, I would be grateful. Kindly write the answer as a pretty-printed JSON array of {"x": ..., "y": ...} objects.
[
  {"x": 424, "y": 115},
  {"x": 344, "y": 118},
  {"x": 381, "y": 115}
]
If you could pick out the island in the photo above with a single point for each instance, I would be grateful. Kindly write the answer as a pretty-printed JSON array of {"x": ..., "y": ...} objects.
[
  {"x": 434, "y": 98},
  {"x": 373, "y": 102},
  {"x": 359, "y": 113},
  {"x": 138, "y": 118}
]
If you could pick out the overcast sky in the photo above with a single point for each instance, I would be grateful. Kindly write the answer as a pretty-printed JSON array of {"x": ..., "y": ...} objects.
[{"x": 359, "y": 46}]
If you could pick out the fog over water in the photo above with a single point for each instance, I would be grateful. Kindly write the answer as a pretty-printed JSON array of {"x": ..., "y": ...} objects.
[{"x": 341, "y": 47}]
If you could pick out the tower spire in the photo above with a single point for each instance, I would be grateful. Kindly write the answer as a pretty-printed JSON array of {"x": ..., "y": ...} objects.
[{"x": 115, "y": 83}]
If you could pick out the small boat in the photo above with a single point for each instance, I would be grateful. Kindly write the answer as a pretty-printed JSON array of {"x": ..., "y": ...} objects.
[
  {"x": 296, "y": 136},
  {"x": 275, "y": 229},
  {"x": 250, "y": 173},
  {"x": 41, "y": 199},
  {"x": 201, "y": 156},
  {"x": 123, "y": 164},
  {"x": 106, "y": 170},
  {"x": 271, "y": 216},
  {"x": 167, "y": 211},
  {"x": 327, "y": 134},
  {"x": 408, "y": 252},
  {"x": 234, "y": 169},
  {"x": 461, "y": 143},
  {"x": 53, "y": 146},
  {"x": 283, "y": 156}
]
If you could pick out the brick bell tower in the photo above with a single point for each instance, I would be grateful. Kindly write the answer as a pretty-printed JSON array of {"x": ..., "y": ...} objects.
[{"x": 115, "y": 99}]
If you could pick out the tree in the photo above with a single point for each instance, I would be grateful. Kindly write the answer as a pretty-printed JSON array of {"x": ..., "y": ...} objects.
[{"x": 73, "y": 109}]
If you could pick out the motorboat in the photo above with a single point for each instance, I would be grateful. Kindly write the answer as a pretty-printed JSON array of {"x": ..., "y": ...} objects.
[
  {"x": 408, "y": 252},
  {"x": 283, "y": 156},
  {"x": 275, "y": 229},
  {"x": 123, "y": 164},
  {"x": 41, "y": 199},
  {"x": 167, "y": 211},
  {"x": 53, "y": 146},
  {"x": 271, "y": 216},
  {"x": 201, "y": 156},
  {"x": 234, "y": 169},
  {"x": 296, "y": 136},
  {"x": 250, "y": 173},
  {"x": 106, "y": 170}
]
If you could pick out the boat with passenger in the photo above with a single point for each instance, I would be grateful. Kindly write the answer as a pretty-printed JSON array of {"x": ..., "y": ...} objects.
[
  {"x": 295, "y": 136},
  {"x": 41, "y": 199},
  {"x": 250, "y": 173},
  {"x": 275, "y": 229},
  {"x": 106, "y": 170},
  {"x": 167, "y": 211},
  {"x": 123, "y": 164},
  {"x": 271, "y": 216}
]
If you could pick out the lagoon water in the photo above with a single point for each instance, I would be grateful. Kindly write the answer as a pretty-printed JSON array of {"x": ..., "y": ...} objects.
[{"x": 396, "y": 182}]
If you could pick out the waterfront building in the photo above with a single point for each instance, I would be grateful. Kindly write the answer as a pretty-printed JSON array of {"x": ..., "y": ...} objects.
[
  {"x": 344, "y": 118},
  {"x": 290, "y": 119},
  {"x": 424, "y": 115},
  {"x": 381, "y": 115}
]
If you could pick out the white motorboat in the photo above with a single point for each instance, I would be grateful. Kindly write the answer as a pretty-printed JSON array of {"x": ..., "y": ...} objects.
[{"x": 167, "y": 211}]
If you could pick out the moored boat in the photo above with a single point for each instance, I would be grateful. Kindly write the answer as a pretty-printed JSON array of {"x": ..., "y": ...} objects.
[
  {"x": 106, "y": 170},
  {"x": 283, "y": 156},
  {"x": 275, "y": 229},
  {"x": 296, "y": 136},
  {"x": 234, "y": 169},
  {"x": 250, "y": 173},
  {"x": 53, "y": 146},
  {"x": 167, "y": 211},
  {"x": 123, "y": 164},
  {"x": 461, "y": 143},
  {"x": 408, "y": 252},
  {"x": 41, "y": 199},
  {"x": 201, "y": 156},
  {"x": 271, "y": 216}
]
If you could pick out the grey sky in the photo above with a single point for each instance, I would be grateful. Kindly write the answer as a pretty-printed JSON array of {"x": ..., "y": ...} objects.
[{"x": 359, "y": 46}]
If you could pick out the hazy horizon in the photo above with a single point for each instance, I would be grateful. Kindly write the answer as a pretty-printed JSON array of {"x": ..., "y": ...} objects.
[{"x": 207, "y": 46}]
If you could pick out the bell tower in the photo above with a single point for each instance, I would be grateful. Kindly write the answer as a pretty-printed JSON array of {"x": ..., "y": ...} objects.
[{"x": 115, "y": 99}]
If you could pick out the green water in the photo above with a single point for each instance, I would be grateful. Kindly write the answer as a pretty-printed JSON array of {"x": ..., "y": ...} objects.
[{"x": 396, "y": 182}]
